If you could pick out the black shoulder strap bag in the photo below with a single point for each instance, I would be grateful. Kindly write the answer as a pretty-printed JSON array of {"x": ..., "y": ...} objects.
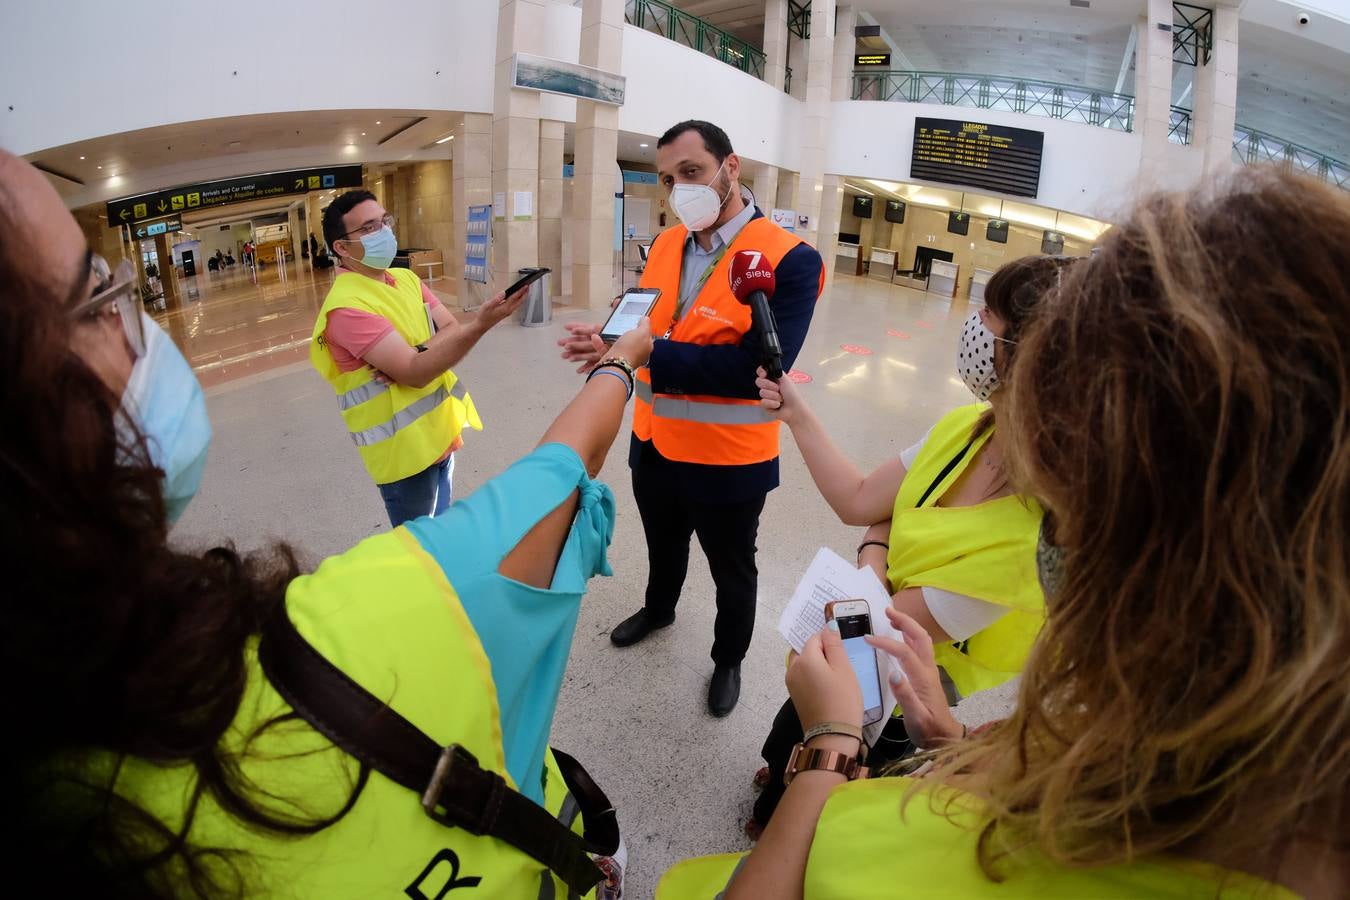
[{"x": 455, "y": 791}]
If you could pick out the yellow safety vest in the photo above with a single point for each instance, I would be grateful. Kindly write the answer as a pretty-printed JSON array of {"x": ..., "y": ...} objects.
[
  {"x": 399, "y": 430},
  {"x": 864, "y": 848},
  {"x": 386, "y": 615},
  {"x": 986, "y": 551}
]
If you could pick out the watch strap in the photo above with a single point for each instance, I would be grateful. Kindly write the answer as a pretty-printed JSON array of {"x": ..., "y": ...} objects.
[{"x": 817, "y": 759}]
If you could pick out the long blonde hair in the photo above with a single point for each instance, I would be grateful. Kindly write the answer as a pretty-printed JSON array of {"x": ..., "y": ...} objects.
[{"x": 1181, "y": 405}]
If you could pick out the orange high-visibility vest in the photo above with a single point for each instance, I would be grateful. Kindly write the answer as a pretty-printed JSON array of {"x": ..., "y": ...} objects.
[{"x": 698, "y": 428}]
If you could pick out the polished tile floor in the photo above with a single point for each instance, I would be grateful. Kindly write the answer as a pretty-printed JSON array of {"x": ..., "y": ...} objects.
[
  {"x": 241, "y": 322},
  {"x": 881, "y": 365}
]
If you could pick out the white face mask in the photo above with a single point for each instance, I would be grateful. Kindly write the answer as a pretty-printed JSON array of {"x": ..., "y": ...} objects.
[
  {"x": 975, "y": 358},
  {"x": 697, "y": 205}
]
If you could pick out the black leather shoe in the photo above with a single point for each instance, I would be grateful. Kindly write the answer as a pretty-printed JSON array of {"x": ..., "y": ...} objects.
[
  {"x": 724, "y": 690},
  {"x": 636, "y": 627}
]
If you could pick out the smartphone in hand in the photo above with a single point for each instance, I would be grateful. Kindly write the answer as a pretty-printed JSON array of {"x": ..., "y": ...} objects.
[
  {"x": 531, "y": 276},
  {"x": 855, "y": 620},
  {"x": 632, "y": 306}
]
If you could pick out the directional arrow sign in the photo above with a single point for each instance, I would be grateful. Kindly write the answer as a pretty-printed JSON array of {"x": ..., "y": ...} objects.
[
  {"x": 140, "y": 231},
  {"x": 153, "y": 205}
]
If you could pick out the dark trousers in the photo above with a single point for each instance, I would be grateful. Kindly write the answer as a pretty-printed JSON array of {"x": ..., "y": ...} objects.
[{"x": 726, "y": 532}]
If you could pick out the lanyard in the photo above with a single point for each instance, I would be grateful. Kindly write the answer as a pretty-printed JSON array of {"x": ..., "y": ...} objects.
[{"x": 683, "y": 299}]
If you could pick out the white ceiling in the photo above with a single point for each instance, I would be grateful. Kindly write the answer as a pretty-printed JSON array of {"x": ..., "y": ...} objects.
[
  {"x": 1295, "y": 89},
  {"x": 743, "y": 18},
  {"x": 1291, "y": 86},
  {"x": 155, "y": 148}
]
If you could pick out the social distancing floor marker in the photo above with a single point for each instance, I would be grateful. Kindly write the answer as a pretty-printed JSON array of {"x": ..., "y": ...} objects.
[
  {"x": 798, "y": 377},
  {"x": 856, "y": 349},
  {"x": 902, "y": 335}
]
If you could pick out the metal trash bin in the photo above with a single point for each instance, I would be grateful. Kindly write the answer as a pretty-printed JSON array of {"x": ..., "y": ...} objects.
[{"x": 537, "y": 310}]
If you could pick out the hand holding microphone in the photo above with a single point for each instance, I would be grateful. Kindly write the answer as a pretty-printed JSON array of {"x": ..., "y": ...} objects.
[
  {"x": 779, "y": 398},
  {"x": 752, "y": 283}
]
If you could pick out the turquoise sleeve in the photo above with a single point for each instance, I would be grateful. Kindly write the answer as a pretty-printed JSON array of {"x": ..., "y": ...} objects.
[{"x": 525, "y": 631}]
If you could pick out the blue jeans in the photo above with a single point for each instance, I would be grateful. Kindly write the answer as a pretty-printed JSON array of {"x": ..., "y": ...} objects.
[{"x": 425, "y": 494}]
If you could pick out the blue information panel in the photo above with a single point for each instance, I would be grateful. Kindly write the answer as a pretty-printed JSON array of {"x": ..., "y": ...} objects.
[{"x": 476, "y": 243}]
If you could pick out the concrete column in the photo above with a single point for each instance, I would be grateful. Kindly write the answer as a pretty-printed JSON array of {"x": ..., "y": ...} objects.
[
  {"x": 841, "y": 88},
  {"x": 787, "y": 188},
  {"x": 775, "y": 41},
  {"x": 551, "y": 201},
  {"x": 134, "y": 248},
  {"x": 471, "y": 171},
  {"x": 297, "y": 235},
  {"x": 832, "y": 201},
  {"x": 1155, "y": 44},
  {"x": 1140, "y": 74},
  {"x": 314, "y": 207},
  {"x": 167, "y": 275},
  {"x": 1215, "y": 95},
  {"x": 595, "y": 162},
  {"x": 841, "y": 69},
  {"x": 798, "y": 52},
  {"x": 764, "y": 182},
  {"x": 515, "y": 144},
  {"x": 810, "y": 183}
]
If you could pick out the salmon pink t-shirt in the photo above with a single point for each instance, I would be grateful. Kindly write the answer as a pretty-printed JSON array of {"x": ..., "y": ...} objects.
[{"x": 350, "y": 333}]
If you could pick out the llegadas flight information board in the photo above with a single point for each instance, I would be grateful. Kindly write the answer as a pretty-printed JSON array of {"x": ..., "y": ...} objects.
[{"x": 1007, "y": 160}]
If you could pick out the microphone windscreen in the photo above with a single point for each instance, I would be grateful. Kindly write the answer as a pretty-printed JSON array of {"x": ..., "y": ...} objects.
[{"x": 750, "y": 272}]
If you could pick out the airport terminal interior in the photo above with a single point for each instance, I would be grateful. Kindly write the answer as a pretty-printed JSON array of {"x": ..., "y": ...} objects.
[{"x": 918, "y": 145}]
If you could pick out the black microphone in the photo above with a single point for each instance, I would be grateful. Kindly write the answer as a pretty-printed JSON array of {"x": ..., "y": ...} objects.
[{"x": 752, "y": 283}]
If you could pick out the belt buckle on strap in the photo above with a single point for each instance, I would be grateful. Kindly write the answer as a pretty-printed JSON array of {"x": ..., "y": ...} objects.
[{"x": 453, "y": 757}]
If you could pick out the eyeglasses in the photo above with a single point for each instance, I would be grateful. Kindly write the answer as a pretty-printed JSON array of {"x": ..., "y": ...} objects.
[
  {"x": 373, "y": 226},
  {"x": 120, "y": 290}
]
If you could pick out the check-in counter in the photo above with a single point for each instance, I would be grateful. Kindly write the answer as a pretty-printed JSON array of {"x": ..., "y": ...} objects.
[
  {"x": 881, "y": 263},
  {"x": 977, "y": 283},
  {"x": 846, "y": 258},
  {"x": 942, "y": 278}
]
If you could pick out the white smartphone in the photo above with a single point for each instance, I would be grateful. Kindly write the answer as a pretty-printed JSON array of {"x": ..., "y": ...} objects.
[
  {"x": 855, "y": 620},
  {"x": 632, "y": 306}
]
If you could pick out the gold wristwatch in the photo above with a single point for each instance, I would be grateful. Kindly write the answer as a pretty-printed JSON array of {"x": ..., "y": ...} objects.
[{"x": 812, "y": 759}]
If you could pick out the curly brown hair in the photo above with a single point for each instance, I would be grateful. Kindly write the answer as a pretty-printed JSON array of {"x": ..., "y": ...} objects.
[
  {"x": 115, "y": 644},
  {"x": 1181, "y": 406}
]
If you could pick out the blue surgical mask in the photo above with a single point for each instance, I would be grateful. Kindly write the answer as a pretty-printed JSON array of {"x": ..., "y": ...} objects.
[
  {"x": 165, "y": 400},
  {"x": 380, "y": 247}
]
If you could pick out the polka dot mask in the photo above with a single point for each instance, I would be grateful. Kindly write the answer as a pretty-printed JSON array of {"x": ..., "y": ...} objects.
[{"x": 975, "y": 358}]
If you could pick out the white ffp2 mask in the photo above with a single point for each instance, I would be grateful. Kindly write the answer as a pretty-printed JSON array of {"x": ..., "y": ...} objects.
[{"x": 697, "y": 205}]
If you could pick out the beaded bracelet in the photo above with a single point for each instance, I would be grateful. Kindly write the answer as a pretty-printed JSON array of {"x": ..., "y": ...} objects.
[{"x": 627, "y": 385}]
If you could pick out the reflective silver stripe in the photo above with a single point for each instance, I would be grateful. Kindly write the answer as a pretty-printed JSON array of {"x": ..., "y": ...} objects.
[
  {"x": 546, "y": 891},
  {"x": 459, "y": 391},
  {"x": 644, "y": 391},
  {"x": 734, "y": 872},
  {"x": 710, "y": 413},
  {"x": 402, "y": 419},
  {"x": 358, "y": 395},
  {"x": 570, "y": 810}
]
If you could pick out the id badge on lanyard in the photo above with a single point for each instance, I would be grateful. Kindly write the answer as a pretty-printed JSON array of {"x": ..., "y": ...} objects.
[{"x": 683, "y": 302}]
